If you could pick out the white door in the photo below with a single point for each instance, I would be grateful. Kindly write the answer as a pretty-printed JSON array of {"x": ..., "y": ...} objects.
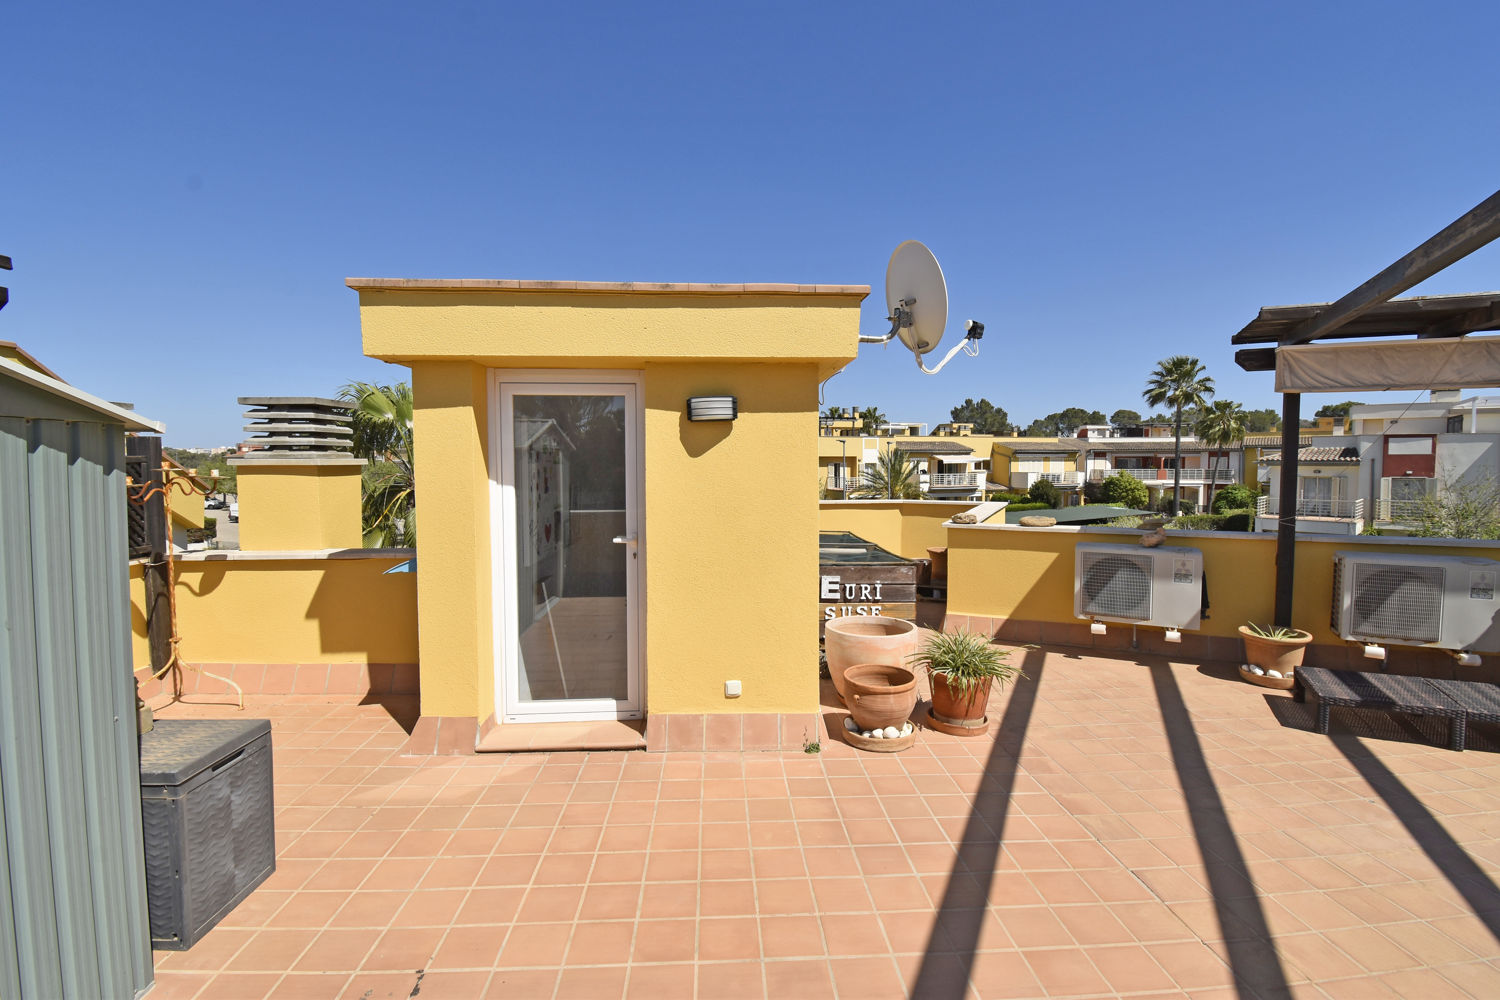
[{"x": 568, "y": 548}]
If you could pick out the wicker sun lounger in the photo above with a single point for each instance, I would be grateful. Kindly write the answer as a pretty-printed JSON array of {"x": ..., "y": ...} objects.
[{"x": 1385, "y": 692}]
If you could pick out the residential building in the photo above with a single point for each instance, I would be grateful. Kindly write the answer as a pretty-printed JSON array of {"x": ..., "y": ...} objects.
[
  {"x": 946, "y": 468},
  {"x": 1396, "y": 457}
]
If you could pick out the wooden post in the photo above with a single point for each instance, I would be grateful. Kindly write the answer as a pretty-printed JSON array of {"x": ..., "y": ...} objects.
[
  {"x": 1286, "y": 521},
  {"x": 158, "y": 612}
]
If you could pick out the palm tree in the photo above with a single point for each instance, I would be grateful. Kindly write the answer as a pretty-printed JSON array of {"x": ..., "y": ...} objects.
[
  {"x": 1181, "y": 383},
  {"x": 870, "y": 420},
  {"x": 893, "y": 478},
  {"x": 383, "y": 435},
  {"x": 1221, "y": 424}
]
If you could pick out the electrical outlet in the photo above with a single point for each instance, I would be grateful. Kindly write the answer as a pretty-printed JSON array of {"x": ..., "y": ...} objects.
[{"x": 731, "y": 689}]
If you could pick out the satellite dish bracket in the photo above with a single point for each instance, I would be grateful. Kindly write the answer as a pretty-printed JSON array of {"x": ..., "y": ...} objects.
[
  {"x": 975, "y": 331},
  {"x": 900, "y": 320}
]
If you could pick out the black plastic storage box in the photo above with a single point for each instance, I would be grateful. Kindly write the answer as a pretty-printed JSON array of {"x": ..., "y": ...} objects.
[{"x": 209, "y": 820}]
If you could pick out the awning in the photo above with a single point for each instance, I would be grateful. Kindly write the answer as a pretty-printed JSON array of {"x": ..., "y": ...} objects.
[{"x": 1450, "y": 363}]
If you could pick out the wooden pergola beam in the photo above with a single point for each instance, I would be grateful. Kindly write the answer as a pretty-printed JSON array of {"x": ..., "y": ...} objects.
[
  {"x": 1475, "y": 319},
  {"x": 1463, "y": 236}
]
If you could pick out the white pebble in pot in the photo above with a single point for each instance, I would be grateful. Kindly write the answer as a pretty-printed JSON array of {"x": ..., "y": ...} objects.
[
  {"x": 877, "y": 734},
  {"x": 891, "y": 733},
  {"x": 850, "y": 724},
  {"x": 1274, "y": 673},
  {"x": 1257, "y": 671}
]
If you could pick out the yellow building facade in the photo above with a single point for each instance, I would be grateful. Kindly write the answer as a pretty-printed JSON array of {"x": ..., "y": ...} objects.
[{"x": 589, "y": 553}]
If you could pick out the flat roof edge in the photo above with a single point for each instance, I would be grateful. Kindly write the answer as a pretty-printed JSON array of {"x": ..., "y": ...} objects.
[
  {"x": 133, "y": 421},
  {"x": 657, "y": 287}
]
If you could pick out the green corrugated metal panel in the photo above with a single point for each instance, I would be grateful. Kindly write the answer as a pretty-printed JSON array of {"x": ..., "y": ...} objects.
[{"x": 74, "y": 893}]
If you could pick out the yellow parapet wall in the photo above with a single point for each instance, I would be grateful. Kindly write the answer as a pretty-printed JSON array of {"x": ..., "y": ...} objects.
[
  {"x": 1026, "y": 574},
  {"x": 906, "y": 527},
  {"x": 291, "y": 608}
]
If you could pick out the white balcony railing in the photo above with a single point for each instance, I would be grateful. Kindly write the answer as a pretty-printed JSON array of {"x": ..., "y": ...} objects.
[
  {"x": 953, "y": 480},
  {"x": 1344, "y": 510},
  {"x": 1194, "y": 476},
  {"x": 1025, "y": 480},
  {"x": 838, "y": 484},
  {"x": 1398, "y": 510}
]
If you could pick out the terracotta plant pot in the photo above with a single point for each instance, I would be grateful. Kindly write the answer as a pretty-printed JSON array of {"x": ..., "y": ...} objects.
[
  {"x": 1283, "y": 655},
  {"x": 956, "y": 709},
  {"x": 939, "y": 556},
  {"x": 880, "y": 695},
  {"x": 860, "y": 639}
]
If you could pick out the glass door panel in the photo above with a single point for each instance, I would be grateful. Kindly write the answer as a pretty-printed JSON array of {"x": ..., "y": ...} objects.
[{"x": 570, "y": 561}]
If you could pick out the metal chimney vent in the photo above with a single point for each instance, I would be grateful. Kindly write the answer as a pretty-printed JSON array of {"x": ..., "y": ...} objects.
[{"x": 297, "y": 426}]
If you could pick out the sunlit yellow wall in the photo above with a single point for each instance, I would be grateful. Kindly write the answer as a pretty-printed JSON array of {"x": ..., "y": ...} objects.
[
  {"x": 609, "y": 329},
  {"x": 1027, "y": 574},
  {"x": 906, "y": 527},
  {"x": 297, "y": 506},
  {"x": 1001, "y": 458},
  {"x": 187, "y": 511},
  {"x": 293, "y": 610},
  {"x": 731, "y": 565},
  {"x": 730, "y": 543},
  {"x": 451, "y": 425}
]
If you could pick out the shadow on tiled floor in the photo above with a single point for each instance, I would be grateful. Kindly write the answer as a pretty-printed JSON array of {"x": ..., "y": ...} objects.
[{"x": 1126, "y": 829}]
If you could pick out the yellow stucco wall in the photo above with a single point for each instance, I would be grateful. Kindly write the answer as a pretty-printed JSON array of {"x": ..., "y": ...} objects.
[
  {"x": 728, "y": 559},
  {"x": 731, "y": 564},
  {"x": 906, "y": 527},
  {"x": 292, "y": 610},
  {"x": 562, "y": 328},
  {"x": 292, "y": 506},
  {"x": 1027, "y": 573},
  {"x": 450, "y": 423}
]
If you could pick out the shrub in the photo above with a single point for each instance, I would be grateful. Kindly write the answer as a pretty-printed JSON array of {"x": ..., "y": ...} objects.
[
  {"x": 1238, "y": 520},
  {"x": 1042, "y": 491},
  {"x": 1124, "y": 491},
  {"x": 1196, "y": 522},
  {"x": 1234, "y": 497},
  {"x": 1008, "y": 497},
  {"x": 1130, "y": 521},
  {"x": 1028, "y": 506},
  {"x": 1093, "y": 491}
]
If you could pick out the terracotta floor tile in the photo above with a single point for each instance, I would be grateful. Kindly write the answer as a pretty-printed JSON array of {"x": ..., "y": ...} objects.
[
  {"x": 550, "y": 903},
  {"x": 868, "y": 977},
  {"x": 404, "y": 948},
  {"x": 312, "y": 986},
  {"x": 336, "y": 950},
  {"x": 522, "y": 984},
  {"x": 657, "y": 982},
  {"x": 1130, "y": 969},
  {"x": 784, "y": 896},
  {"x": 727, "y": 899},
  {"x": 806, "y": 980},
  {"x": 469, "y": 948},
  {"x": 430, "y": 907},
  {"x": 728, "y": 939},
  {"x": 850, "y": 934},
  {"x": 532, "y": 945},
  {"x": 791, "y": 937},
  {"x": 732, "y": 980},
  {"x": 669, "y": 899},
  {"x": 602, "y": 942},
  {"x": 597, "y": 983},
  {"x": 242, "y": 985},
  {"x": 665, "y": 941}
]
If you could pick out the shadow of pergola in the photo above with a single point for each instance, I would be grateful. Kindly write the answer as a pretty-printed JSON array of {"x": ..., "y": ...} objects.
[{"x": 1252, "y": 957}]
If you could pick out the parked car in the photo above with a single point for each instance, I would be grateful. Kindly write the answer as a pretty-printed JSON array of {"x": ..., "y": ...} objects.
[{"x": 234, "y": 512}]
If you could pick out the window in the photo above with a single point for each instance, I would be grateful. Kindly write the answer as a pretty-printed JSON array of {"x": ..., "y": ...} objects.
[
  {"x": 1316, "y": 496},
  {"x": 1455, "y": 424},
  {"x": 1402, "y": 497}
]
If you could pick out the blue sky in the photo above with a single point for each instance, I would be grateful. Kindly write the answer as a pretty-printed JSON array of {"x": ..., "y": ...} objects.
[{"x": 187, "y": 185}]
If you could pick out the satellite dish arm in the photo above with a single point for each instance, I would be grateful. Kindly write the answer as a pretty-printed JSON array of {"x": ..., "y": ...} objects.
[
  {"x": 975, "y": 331},
  {"x": 900, "y": 319}
]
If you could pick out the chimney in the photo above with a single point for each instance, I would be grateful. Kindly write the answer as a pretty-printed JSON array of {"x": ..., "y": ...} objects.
[
  {"x": 1445, "y": 395},
  {"x": 299, "y": 483}
]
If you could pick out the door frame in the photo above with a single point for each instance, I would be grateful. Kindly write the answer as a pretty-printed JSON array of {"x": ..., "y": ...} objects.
[{"x": 504, "y": 599}]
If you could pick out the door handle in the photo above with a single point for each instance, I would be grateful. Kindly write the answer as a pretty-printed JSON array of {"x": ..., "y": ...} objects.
[{"x": 629, "y": 540}]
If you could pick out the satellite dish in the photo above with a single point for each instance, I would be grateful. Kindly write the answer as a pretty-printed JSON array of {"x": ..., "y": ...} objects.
[
  {"x": 914, "y": 283},
  {"x": 917, "y": 297}
]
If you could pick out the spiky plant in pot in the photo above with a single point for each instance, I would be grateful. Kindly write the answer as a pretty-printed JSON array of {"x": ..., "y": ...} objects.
[{"x": 962, "y": 667}]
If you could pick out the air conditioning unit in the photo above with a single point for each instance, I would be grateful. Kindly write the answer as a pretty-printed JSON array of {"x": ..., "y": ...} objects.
[
  {"x": 1127, "y": 583},
  {"x": 1447, "y": 602}
]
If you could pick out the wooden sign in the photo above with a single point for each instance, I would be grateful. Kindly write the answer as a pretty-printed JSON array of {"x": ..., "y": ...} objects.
[{"x": 887, "y": 590}]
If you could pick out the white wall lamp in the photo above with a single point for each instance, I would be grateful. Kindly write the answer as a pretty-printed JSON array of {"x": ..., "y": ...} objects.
[
  {"x": 712, "y": 408},
  {"x": 1173, "y": 635},
  {"x": 1097, "y": 628}
]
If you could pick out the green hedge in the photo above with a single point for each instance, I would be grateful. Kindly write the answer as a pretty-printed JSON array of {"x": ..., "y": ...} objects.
[
  {"x": 1236, "y": 520},
  {"x": 1028, "y": 506}
]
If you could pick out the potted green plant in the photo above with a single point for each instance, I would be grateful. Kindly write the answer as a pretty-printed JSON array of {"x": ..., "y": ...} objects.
[
  {"x": 962, "y": 667},
  {"x": 1274, "y": 648}
]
